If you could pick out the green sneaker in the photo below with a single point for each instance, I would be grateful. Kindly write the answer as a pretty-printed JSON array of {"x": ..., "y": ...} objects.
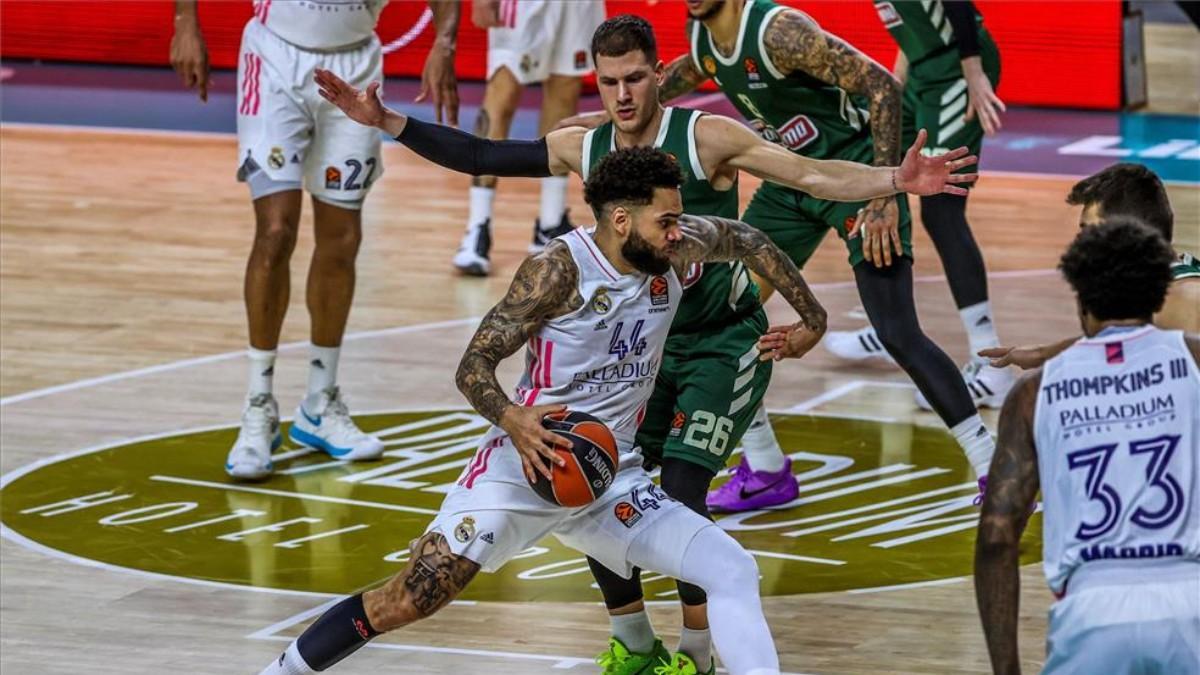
[
  {"x": 682, "y": 664},
  {"x": 618, "y": 660}
]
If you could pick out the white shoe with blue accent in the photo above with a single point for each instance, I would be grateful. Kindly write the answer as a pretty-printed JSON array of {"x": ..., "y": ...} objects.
[
  {"x": 250, "y": 457},
  {"x": 329, "y": 428}
]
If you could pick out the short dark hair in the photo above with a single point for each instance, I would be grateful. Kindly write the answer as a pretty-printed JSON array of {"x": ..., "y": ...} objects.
[
  {"x": 1127, "y": 189},
  {"x": 1120, "y": 269},
  {"x": 622, "y": 34},
  {"x": 630, "y": 176}
]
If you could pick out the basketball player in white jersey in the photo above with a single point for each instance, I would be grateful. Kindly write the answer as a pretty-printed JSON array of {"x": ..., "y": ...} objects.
[
  {"x": 1110, "y": 430},
  {"x": 530, "y": 42},
  {"x": 289, "y": 140},
  {"x": 593, "y": 311}
]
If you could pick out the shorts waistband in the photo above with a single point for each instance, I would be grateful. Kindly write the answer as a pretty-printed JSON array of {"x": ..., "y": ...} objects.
[{"x": 1128, "y": 573}]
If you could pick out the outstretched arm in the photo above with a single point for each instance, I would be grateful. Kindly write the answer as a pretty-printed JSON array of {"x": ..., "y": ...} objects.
[
  {"x": 712, "y": 239},
  {"x": 724, "y": 142},
  {"x": 1012, "y": 486},
  {"x": 555, "y": 155},
  {"x": 544, "y": 287}
]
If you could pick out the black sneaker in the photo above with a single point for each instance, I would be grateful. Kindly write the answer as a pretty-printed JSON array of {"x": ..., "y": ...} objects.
[
  {"x": 472, "y": 256},
  {"x": 542, "y": 237}
]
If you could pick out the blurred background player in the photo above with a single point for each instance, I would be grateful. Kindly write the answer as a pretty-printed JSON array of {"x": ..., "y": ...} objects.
[
  {"x": 1129, "y": 191},
  {"x": 289, "y": 140},
  {"x": 949, "y": 66},
  {"x": 529, "y": 41},
  {"x": 1110, "y": 430},
  {"x": 798, "y": 86}
]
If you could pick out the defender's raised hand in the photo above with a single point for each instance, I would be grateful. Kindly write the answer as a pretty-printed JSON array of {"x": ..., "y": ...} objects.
[
  {"x": 921, "y": 175},
  {"x": 361, "y": 106}
]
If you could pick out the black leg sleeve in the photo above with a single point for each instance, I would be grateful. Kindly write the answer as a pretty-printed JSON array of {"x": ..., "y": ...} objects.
[
  {"x": 887, "y": 296},
  {"x": 945, "y": 219}
]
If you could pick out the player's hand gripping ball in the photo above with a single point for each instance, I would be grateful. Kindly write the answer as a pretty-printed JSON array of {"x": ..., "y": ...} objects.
[{"x": 591, "y": 460}]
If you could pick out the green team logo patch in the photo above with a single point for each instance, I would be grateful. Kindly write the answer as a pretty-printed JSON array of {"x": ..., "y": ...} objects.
[{"x": 880, "y": 505}]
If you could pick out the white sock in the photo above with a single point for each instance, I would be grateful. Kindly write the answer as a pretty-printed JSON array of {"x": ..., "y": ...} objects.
[
  {"x": 973, "y": 437},
  {"x": 698, "y": 645},
  {"x": 980, "y": 325},
  {"x": 289, "y": 663},
  {"x": 762, "y": 448},
  {"x": 634, "y": 631},
  {"x": 262, "y": 371},
  {"x": 481, "y": 205},
  {"x": 554, "y": 201},
  {"x": 322, "y": 373}
]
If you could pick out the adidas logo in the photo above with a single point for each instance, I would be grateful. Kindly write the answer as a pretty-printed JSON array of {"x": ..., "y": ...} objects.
[
  {"x": 601, "y": 325},
  {"x": 316, "y": 363},
  {"x": 981, "y": 432},
  {"x": 488, "y": 537},
  {"x": 295, "y": 158},
  {"x": 983, "y": 321},
  {"x": 269, "y": 371}
]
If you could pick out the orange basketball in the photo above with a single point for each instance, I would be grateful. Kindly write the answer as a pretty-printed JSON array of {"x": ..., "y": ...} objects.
[{"x": 591, "y": 460}]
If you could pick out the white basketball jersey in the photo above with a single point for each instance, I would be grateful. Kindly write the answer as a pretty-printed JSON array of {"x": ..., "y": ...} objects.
[
  {"x": 1117, "y": 429},
  {"x": 320, "y": 24},
  {"x": 601, "y": 359}
]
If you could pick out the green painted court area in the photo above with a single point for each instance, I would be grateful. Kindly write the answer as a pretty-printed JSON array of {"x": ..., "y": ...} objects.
[{"x": 880, "y": 505}]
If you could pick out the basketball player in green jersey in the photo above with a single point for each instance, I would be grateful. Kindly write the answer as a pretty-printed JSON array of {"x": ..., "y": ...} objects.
[
  {"x": 949, "y": 66},
  {"x": 1132, "y": 191},
  {"x": 722, "y": 316},
  {"x": 800, "y": 88}
]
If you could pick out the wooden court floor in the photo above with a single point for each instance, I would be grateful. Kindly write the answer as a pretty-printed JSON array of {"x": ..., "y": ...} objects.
[{"x": 125, "y": 256}]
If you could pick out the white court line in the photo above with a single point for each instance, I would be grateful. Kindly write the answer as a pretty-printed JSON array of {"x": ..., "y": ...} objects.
[
  {"x": 186, "y": 363},
  {"x": 798, "y": 558},
  {"x": 832, "y": 394},
  {"x": 559, "y": 662},
  {"x": 294, "y": 495},
  {"x": 916, "y": 584}
]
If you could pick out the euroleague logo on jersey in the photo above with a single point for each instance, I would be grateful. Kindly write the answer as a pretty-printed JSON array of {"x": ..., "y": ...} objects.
[
  {"x": 660, "y": 290},
  {"x": 163, "y": 505}
]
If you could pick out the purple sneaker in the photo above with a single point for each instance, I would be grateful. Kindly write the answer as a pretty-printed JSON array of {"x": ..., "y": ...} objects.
[
  {"x": 748, "y": 490},
  {"x": 982, "y": 491}
]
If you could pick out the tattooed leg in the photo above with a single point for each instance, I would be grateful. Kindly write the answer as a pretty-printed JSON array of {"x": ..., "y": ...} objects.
[
  {"x": 434, "y": 576},
  {"x": 500, "y": 100}
]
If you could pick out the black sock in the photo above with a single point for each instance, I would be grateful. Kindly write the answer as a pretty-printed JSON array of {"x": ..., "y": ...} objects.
[{"x": 338, "y": 633}]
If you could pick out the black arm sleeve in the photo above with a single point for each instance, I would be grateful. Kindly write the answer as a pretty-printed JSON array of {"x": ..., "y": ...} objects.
[
  {"x": 462, "y": 152},
  {"x": 961, "y": 14}
]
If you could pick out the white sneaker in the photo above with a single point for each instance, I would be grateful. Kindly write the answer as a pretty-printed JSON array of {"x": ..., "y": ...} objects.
[
  {"x": 250, "y": 457},
  {"x": 987, "y": 385},
  {"x": 857, "y": 345},
  {"x": 329, "y": 428},
  {"x": 472, "y": 256}
]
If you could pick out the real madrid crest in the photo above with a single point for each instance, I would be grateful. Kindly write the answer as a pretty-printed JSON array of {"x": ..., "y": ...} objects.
[
  {"x": 465, "y": 530},
  {"x": 276, "y": 160},
  {"x": 601, "y": 302}
]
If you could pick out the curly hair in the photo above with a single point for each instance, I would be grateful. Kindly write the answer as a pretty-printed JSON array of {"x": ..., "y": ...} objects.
[
  {"x": 1127, "y": 189},
  {"x": 629, "y": 176},
  {"x": 1120, "y": 269},
  {"x": 622, "y": 34}
]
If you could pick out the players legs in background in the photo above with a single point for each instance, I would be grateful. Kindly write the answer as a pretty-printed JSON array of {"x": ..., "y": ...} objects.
[
  {"x": 529, "y": 41},
  {"x": 949, "y": 91}
]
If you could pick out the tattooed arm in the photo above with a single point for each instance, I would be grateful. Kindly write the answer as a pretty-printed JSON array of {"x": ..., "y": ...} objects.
[
  {"x": 1012, "y": 486},
  {"x": 712, "y": 239},
  {"x": 794, "y": 42},
  {"x": 679, "y": 78},
  {"x": 545, "y": 287}
]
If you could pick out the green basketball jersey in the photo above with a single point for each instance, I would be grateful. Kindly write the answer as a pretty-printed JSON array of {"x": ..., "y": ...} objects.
[
  {"x": 798, "y": 111},
  {"x": 1185, "y": 267},
  {"x": 923, "y": 32},
  {"x": 715, "y": 293}
]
